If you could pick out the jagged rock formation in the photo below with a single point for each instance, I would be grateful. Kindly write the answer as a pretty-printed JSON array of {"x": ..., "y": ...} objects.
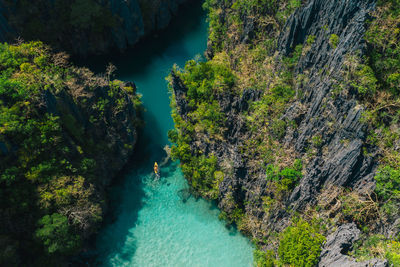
[
  {"x": 341, "y": 164},
  {"x": 328, "y": 133},
  {"x": 85, "y": 26},
  {"x": 338, "y": 244}
]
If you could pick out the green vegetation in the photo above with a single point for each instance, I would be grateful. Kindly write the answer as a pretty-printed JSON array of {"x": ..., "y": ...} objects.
[
  {"x": 55, "y": 234},
  {"x": 204, "y": 81},
  {"x": 299, "y": 245},
  {"x": 270, "y": 16},
  {"x": 377, "y": 246},
  {"x": 334, "y": 40},
  {"x": 264, "y": 259},
  {"x": 48, "y": 158},
  {"x": 285, "y": 179}
]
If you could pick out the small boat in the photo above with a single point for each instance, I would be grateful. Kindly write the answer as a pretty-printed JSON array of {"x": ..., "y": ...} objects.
[{"x": 156, "y": 170}]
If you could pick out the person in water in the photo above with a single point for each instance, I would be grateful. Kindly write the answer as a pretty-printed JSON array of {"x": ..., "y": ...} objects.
[{"x": 156, "y": 170}]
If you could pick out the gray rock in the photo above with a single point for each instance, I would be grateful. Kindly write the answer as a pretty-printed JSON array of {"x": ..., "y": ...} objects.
[
  {"x": 132, "y": 27},
  {"x": 133, "y": 19},
  {"x": 338, "y": 244},
  {"x": 335, "y": 117},
  {"x": 344, "y": 164},
  {"x": 180, "y": 95}
]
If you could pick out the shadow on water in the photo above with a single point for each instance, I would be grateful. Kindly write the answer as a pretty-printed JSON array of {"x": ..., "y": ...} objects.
[
  {"x": 137, "y": 59},
  {"x": 127, "y": 198},
  {"x": 126, "y": 195}
]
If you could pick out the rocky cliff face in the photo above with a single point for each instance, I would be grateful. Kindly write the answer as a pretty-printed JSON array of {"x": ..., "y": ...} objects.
[
  {"x": 341, "y": 164},
  {"x": 85, "y": 26},
  {"x": 322, "y": 125}
]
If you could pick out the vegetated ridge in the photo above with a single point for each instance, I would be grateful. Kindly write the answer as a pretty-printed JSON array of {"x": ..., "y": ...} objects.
[
  {"x": 64, "y": 134},
  {"x": 292, "y": 126}
]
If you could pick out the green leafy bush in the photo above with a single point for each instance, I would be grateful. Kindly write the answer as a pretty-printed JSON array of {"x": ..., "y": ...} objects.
[
  {"x": 377, "y": 246},
  {"x": 264, "y": 259},
  {"x": 388, "y": 183},
  {"x": 55, "y": 234},
  {"x": 334, "y": 40},
  {"x": 364, "y": 81},
  {"x": 203, "y": 79},
  {"x": 285, "y": 178},
  {"x": 300, "y": 244},
  {"x": 388, "y": 189}
]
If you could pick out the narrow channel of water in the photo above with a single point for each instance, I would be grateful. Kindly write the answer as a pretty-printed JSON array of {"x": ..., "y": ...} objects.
[{"x": 156, "y": 223}]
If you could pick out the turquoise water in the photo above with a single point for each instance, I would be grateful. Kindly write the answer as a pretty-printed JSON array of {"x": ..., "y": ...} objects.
[{"x": 156, "y": 222}]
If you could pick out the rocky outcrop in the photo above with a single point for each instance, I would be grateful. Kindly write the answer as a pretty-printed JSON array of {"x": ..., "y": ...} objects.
[
  {"x": 338, "y": 244},
  {"x": 343, "y": 163},
  {"x": 332, "y": 115},
  {"x": 85, "y": 27}
]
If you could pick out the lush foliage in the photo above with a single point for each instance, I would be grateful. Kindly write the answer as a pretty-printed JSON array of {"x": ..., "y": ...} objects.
[
  {"x": 377, "y": 246},
  {"x": 300, "y": 244},
  {"x": 284, "y": 179},
  {"x": 55, "y": 234},
  {"x": 204, "y": 82},
  {"x": 47, "y": 153},
  {"x": 334, "y": 40},
  {"x": 264, "y": 259},
  {"x": 270, "y": 15}
]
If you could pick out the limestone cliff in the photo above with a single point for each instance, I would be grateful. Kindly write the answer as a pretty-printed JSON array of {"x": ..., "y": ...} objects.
[
  {"x": 84, "y": 27},
  {"x": 288, "y": 128}
]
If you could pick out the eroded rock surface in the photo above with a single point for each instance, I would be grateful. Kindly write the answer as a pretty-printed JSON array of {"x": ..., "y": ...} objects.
[
  {"x": 322, "y": 111},
  {"x": 338, "y": 244}
]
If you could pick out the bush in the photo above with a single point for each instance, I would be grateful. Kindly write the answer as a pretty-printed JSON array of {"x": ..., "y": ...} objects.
[
  {"x": 361, "y": 209},
  {"x": 300, "y": 244},
  {"x": 285, "y": 178},
  {"x": 377, "y": 246},
  {"x": 55, "y": 234},
  {"x": 264, "y": 259},
  {"x": 334, "y": 40},
  {"x": 393, "y": 253},
  {"x": 388, "y": 189},
  {"x": 204, "y": 79},
  {"x": 200, "y": 171},
  {"x": 388, "y": 183},
  {"x": 278, "y": 128},
  {"x": 364, "y": 81}
]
